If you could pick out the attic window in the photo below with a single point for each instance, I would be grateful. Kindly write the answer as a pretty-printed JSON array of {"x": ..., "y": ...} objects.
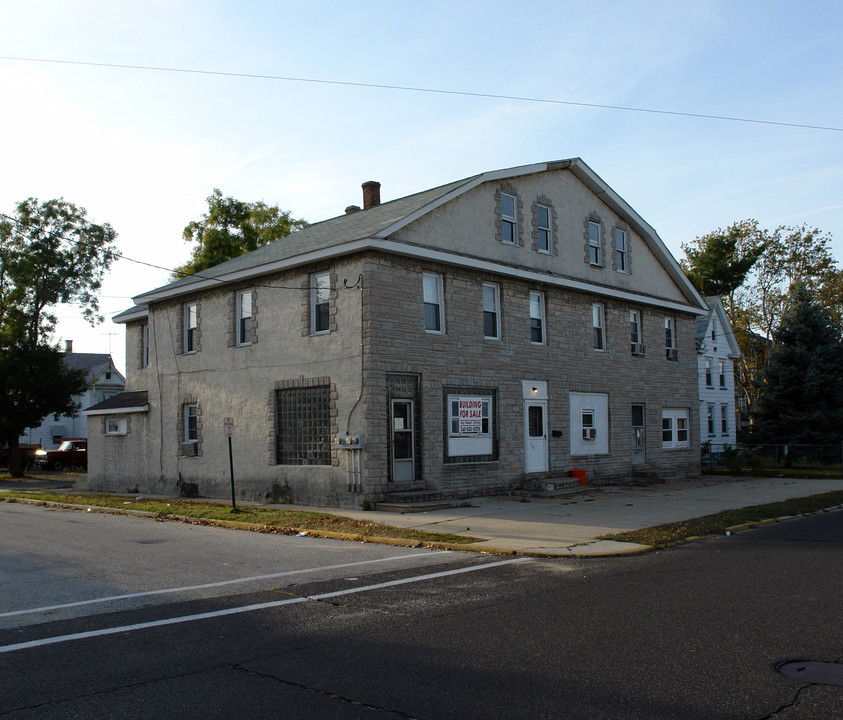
[{"x": 108, "y": 376}]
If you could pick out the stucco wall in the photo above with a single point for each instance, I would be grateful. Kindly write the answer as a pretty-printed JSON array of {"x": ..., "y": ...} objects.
[{"x": 470, "y": 224}]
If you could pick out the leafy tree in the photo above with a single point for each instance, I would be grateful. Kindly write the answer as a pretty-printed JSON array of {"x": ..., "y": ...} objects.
[
  {"x": 753, "y": 269},
  {"x": 718, "y": 263},
  {"x": 802, "y": 384},
  {"x": 232, "y": 228},
  {"x": 49, "y": 254}
]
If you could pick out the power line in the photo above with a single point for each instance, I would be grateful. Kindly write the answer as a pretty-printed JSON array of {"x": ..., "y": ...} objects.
[{"x": 438, "y": 91}]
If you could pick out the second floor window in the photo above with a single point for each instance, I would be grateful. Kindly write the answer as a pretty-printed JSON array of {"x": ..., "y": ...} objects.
[
  {"x": 433, "y": 302},
  {"x": 320, "y": 299},
  {"x": 669, "y": 339},
  {"x": 723, "y": 374},
  {"x": 635, "y": 332},
  {"x": 244, "y": 317},
  {"x": 491, "y": 311},
  {"x": 536, "y": 318},
  {"x": 708, "y": 372},
  {"x": 509, "y": 225},
  {"x": 598, "y": 322},
  {"x": 145, "y": 345},
  {"x": 191, "y": 324}
]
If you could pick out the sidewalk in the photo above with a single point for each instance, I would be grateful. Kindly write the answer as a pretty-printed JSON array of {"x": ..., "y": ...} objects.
[{"x": 569, "y": 526}]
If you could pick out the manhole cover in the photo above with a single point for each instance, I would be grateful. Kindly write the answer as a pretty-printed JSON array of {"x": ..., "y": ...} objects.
[{"x": 818, "y": 673}]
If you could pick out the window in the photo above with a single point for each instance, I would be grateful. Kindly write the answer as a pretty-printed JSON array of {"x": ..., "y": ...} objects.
[
  {"x": 509, "y": 226},
  {"x": 621, "y": 264},
  {"x": 303, "y": 425},
  {"x": 710, "y": 417},
  {"x": 723, "y": 374},
  {"x": 244, "y": 317},
  {"x": 320, "y": 298},
  {"x": 144, "y": 345},
  {"x": 589, "y": 431},
  {"x": 491, "y": 311},
  {"x": 433, "y": 302},
  {"x": 598, "y": 324},
  {"x": 470, "y": 424},
  {"x": 669, "y": 339},
  {"x": 675, "y": 428},
  {"x": 543, "y": 228},
  {"x": 116, "y": 426},
  {"x": 536, "y": 318},
  {"x": 191, "y": 423},
  {"x": 594, "y": 243},
  {"x": 724, "y": 419},
  {"x": 708, "y": 372},
  {"x": 191, "y": 323},
  {"x": 635, "y": 333}
]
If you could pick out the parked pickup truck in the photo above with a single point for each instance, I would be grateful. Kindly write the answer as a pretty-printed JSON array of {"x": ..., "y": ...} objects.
[
  {"x": 72, "y": 452},
  {"x": 27, "y": 455}
]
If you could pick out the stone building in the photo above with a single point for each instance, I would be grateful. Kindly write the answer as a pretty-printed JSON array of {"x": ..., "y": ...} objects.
[{"x": 494, "y": 333}]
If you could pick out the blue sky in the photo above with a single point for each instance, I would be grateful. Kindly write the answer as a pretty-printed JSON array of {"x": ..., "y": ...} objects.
[{"x": 142, "y": 149}]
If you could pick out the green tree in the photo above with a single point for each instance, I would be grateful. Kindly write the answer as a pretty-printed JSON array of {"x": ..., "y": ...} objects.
[
  {"x": 753, "y": 269},
  {"x": 49, "y": 254},
  {"x": 232, "y": 228},
  {"x": 718, "y": 263},
  {"x": 801, "y": 398}
]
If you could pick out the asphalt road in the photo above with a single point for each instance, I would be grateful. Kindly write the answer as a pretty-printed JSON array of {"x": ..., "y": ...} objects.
[{"x": 693, "y": 632}]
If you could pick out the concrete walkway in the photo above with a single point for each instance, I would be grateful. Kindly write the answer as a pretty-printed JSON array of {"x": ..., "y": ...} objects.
[{"x": 569, "y": 526}]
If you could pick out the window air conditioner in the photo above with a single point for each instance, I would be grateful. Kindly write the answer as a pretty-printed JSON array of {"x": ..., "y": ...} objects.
[
  {"x": 639, "y": 348},
  {"x": 672, "y": 354},
  {"x": 589, "y": 434}
]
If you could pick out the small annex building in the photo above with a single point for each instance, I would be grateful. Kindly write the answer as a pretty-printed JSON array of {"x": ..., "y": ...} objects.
[
  {"x": 491, "y": 334},
  {"x": 717, "y": 350}
]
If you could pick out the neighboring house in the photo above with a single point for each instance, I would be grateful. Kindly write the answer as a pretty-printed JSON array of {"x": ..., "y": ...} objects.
[
  {"x": 717, "y": 348},
  {"x": 479, "y": 337},
  {"x": 104, "y": 381}
]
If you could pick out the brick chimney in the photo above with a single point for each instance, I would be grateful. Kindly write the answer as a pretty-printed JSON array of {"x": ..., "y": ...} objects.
[
  {"x": 68, "y": 347},
  {"x": 371, "y": 194}
]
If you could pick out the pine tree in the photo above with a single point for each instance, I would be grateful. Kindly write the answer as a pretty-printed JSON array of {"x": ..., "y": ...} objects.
[{"x": 801, "y": 388}]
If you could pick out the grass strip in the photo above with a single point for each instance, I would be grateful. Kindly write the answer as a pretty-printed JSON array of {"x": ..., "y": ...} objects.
[
  {"x": 670, "y": 534},
  {"x": 283, "y": 520}
]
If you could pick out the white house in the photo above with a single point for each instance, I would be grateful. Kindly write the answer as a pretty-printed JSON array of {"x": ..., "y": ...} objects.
[
  {"x": 104, "y": 381},
  {"x": 717, "y": 349}
]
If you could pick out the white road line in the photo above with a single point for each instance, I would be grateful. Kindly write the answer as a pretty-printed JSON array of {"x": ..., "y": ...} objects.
[
  {"x": 221, "y": 583},
  {"x": 246, "y": 608}
]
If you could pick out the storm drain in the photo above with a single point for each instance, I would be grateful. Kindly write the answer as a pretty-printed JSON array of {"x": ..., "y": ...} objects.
[{"x": 817, "y": 673}]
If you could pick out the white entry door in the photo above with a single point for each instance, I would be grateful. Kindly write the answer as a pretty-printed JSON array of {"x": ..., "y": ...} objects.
[{"x": 535, "y": 436}]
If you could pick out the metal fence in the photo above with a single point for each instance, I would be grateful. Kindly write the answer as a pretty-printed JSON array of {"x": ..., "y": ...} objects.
[{"x": 764, "y": 459}]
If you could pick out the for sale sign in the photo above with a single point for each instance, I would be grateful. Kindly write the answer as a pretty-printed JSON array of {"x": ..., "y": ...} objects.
[{"x": 470, "y": 415}]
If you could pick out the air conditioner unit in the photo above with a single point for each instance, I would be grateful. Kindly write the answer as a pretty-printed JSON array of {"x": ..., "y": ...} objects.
[
  {"x": 672, "y": 354},
  {"x": 589, "y": 434},
  {"x": 189, "y": 449},
  {"x": 639, "y": 348}
]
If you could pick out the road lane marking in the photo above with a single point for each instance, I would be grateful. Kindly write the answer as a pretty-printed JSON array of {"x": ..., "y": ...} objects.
[
  {"x": 221, "y": 583},
  {"x": 248, "y": 608}
]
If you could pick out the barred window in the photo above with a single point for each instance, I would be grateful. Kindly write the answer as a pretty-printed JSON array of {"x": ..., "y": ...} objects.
[{"x": 303, "y": 426}]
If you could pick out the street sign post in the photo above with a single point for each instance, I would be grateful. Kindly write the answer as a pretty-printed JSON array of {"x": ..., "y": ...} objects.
[{"x": 228, "y": 424}]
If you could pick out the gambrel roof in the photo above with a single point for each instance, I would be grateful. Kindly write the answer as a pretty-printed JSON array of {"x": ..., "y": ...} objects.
[{"x": 375, "y": 228}]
